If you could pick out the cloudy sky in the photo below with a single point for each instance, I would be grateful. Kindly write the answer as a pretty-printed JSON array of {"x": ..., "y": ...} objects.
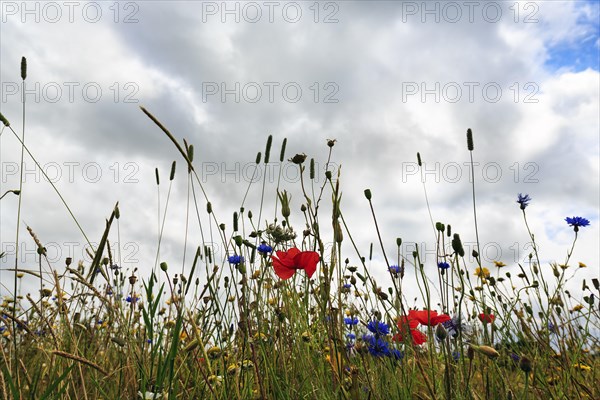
[{"x": 386, "y": 79}]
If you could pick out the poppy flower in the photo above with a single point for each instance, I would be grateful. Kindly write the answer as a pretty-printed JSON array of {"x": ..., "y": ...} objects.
[
  {"x": 486, "y": 318},
  {"x": 428, "y": 317},
  {"x": 286, "y": 263},
  {"x": 408, "y": 325}
]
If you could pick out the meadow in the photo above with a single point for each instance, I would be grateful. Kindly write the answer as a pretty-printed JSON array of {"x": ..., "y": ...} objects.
[{"x": 282, "y": 317}]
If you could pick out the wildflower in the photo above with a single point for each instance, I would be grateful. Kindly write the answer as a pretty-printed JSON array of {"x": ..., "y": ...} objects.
[
  {"x": 551, "y": 327},
  {"x": 351, "y": 321},
  {"x": 288, "y": 262},
  {"x": 577, "y": 222},
  {"x": 214, "y": 352},
  {"x": 499, "y": 264},
  {"x": 378, "y": 328},
  {"x": 443, "y": 266},
  {"x": 376, "y": 346},
  {"x": 347, "y": 286},
  {"x": 132, "y": 299},
  {"x": 235, "y": 259},
  {"x": 456, "y": 355},
  {"x": 264, "y": 248},
  {"x": 582, "y": 367},
  {"x": 582, "y": 265},
  {"x": 486, "y": 318},
  {"x": 523, "y": 200},
  {"x": 578, "y": 307},
  {"x": 396, "y": 354},
  {"x": 428, "y": 317},
  {"x": 351, "y": 336},
  {"x": 408, "y": 325},
  {"x": 515, "y": 357},
  {"x": 482, "y": 273},
  {"x": 395, "y": 269}
]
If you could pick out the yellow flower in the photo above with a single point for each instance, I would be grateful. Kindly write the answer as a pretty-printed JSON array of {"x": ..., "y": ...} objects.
[
  {"x": 214, "y": 352},
  {"x": 482, "y": 272},
  {"x": 582, "y": 265},
  {"x": 578, "y": 307},
  {"x": 563, "y": 266},
  {"x": 499, "y": 264},
  {"x": 582, "y": 367}
]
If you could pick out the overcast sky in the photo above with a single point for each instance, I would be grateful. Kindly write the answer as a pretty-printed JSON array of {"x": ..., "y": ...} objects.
[{"x": 386, "y": 79}]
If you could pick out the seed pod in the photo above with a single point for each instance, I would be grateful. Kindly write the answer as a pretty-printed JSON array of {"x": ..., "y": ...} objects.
[{"x": 470, "y": 139}]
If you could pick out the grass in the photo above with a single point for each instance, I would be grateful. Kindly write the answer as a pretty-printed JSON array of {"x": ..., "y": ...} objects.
[{"x": 233, "y": 329}]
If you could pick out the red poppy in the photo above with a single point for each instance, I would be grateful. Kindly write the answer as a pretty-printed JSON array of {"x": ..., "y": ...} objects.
[
  {"x": 428, "y": 317},
  {"x": 287, "y": 262},
  {"x": 409, "y": 325},
  {"x": 486, "y": 318}
]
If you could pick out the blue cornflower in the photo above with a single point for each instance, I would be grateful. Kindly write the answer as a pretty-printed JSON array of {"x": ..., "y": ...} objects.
[
  {"x": 377, "y": 347},
  {"x": 131, "y": 299},
  {"x": 264, "y": 248},
  {"x": 351, "y": 336},
  {"x": 235, "y": 259},
  {"x": 551, "y": 327},
  {"x": 114, "y": 267},
  {"x": 443, "y": 265},
  {"x": 378, "y": 328},
  {"x": 396, "y": 354},
  {"x": 456, "y": 355},
  {"x": 351, "y": 321},
  {"x": 523, "y": 200},
  {"x": 347, "y": 286},
  {"x": 455, "y": 325},
  {"x": 394, "y": 269},
  {"x": 577, "y": 222},
  {"x": 515, "y": 357}
]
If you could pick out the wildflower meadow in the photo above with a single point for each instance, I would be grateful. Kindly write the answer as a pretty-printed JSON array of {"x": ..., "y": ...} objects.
[{"x": 282, "y": 316}]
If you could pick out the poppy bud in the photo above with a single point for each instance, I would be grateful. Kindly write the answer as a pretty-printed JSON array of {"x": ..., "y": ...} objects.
[
  {"x": 525, "y": 364},
  {"x": 440, "y": 332},
  {"x": 368, "y": 194}
]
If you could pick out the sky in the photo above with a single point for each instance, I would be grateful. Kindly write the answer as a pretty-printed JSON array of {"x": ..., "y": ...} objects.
[{"x": 385, "y": 79}]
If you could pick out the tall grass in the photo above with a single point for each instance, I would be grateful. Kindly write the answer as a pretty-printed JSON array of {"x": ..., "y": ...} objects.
[{"x": 231, "y": 328}]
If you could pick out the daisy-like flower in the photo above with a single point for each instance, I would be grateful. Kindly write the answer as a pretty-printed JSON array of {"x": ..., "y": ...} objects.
[
  {"x": 499, "y": 264},
  {"x": 523, "y": 200},
  {"x": 482, "y": 273}
]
